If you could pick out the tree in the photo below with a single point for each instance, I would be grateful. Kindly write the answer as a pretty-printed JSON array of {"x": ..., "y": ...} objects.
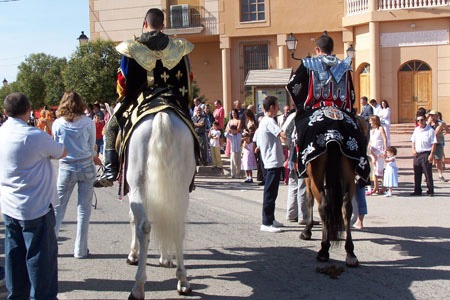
[
  {"x": 92, "y": 71},
  {"x": 5, "y": 91},
  {"x": 40, "y": 78}
]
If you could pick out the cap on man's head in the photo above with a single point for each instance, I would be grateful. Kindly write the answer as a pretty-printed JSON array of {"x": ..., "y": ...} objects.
[{"x": 432, "y": 112}]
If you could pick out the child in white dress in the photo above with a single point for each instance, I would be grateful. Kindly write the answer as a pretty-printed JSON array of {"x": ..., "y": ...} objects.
[{"x": 390, "y": 179}]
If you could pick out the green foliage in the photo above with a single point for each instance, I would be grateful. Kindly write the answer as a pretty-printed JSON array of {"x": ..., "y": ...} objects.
[
  {"x": 92, "y": 71},
  {"x": 196, "y": 91},
  {"x": 40, "y": 78},
  {"x": 6, "y": 90}
]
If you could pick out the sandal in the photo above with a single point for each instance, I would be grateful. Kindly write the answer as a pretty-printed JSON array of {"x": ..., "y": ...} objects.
[{"x": 380, "y": 192}]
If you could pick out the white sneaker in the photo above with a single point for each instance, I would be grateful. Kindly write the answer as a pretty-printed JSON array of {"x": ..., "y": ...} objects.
[
  {"x": 270, "y": 228},
  {"x": 277, "y": 224},
  {"x": 388, "y": 194}
]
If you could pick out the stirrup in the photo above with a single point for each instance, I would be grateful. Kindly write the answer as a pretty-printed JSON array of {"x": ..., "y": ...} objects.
[{"x": 102, "y": 182}]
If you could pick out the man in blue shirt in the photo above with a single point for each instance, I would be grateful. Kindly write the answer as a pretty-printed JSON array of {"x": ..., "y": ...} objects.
[{"x": 28, "y": 191}]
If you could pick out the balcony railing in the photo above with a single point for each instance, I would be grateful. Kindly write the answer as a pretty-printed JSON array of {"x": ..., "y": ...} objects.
[
  {"x": 355, "y": 7},
  {"x": 186, "y": 16},
  {"x": 409, "y": 4}
]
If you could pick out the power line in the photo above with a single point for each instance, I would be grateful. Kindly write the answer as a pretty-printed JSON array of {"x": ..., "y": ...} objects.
[{"x": 8, "y": 0}]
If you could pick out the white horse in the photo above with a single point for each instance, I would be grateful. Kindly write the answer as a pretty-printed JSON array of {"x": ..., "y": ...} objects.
[{"x": 161, "y": 164}]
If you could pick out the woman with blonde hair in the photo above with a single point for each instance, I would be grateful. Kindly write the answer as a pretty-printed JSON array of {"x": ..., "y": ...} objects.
[{"x": 77, "y": 132}]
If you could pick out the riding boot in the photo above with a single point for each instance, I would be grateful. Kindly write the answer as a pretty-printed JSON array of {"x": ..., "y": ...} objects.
[{"x": 111, "y": 168}]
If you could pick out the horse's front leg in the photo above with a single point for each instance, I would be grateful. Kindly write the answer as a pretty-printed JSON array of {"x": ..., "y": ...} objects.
[
  {"x": 351, "y": 260},
  {"x": 143, "y": 228},
  {"x": 306, "y": 233},
  {"x": 183, "y": 286},
  {"x": 323, "y": 254},
  {"x": 132, "y": 258}
]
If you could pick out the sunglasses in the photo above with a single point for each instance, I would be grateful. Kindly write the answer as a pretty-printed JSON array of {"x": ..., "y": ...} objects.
[{"x": 418, "y": 120}]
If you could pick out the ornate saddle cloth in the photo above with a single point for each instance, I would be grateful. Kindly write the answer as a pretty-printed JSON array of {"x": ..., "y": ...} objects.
[
  {"x": 316, "y": 128},
  {"x": 149, "y": 102}
]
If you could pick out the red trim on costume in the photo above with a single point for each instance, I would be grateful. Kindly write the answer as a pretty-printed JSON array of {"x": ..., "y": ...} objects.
[
  {"x": 121, "y": 84},
  {"x": 314, "y": 102}
]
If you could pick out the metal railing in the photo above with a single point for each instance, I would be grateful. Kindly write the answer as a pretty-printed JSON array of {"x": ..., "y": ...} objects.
[
  {"x": 355, "y": 7},
  {"x": 184, "y": 16}
]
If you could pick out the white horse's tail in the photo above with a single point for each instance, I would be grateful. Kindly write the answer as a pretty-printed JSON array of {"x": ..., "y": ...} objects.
[{"x": 167, "y": 187}]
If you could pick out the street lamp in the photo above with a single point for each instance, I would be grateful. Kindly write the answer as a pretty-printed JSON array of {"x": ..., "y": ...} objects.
[
  {"x": 83, "y": 39},
  {"x": 291, "y": 44},
  {"x": 351, "y": 51},
  {"x": 5, "y": 82}
]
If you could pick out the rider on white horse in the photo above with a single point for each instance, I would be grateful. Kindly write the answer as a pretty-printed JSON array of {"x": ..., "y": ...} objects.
[{"x": 152, "y": 66}]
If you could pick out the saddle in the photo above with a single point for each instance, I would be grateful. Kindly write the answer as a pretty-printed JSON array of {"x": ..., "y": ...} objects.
[{"x": 148, "y": 103}]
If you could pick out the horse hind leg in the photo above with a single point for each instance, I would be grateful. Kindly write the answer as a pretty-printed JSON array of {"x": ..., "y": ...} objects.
[
  {"x": 143, "y": 229},
  {"x": 132, "y": 258},
  {"x": 183, "y": 285},
  {"x": 165, "y": 259},
  {"x": 351, "y": 260},
  {"x": 323, "y": 255}
]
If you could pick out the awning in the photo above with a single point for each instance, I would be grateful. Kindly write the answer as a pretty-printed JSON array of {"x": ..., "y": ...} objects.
[{"x": 271, "y": 77}]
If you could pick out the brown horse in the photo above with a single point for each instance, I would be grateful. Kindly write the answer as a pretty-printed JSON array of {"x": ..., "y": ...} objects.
[{"x": 331, "y": 181}]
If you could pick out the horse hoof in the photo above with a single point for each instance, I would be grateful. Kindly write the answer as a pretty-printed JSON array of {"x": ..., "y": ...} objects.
[
  {"x": 305, "y": 236},
  {"x": 184, "y": 290},
  {"x": 322, "y": 257},
  {"x": 132, "y": 262},
  {"x": 167, "y": 264},
  {"x": 352, "y": 262},
  {"x": 131, "y": 297}
]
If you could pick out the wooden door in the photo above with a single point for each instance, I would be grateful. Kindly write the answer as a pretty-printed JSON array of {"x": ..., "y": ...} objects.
[
  {"x": 407, "y": 105},
  {"x": 414, "y": 80},
  {"x": 364, "y": 84},
  {"x": 422, "y": 81}
]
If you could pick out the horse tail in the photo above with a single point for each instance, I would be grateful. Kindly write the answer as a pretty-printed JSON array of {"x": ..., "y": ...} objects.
[
  {"x": 168, "y": 186},
  {"x": 334, "y": 192}
]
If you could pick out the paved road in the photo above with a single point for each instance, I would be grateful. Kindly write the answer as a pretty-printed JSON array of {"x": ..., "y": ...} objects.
[{"x": 404, "y": 250}]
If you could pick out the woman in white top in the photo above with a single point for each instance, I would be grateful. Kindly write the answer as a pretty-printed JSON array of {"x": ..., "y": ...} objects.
[
  {"x": 377, "y": 146},
  {"x": 385, "y": 118}
]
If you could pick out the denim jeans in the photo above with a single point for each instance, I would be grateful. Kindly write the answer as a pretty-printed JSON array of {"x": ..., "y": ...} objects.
[
  {"x": 359, "y": 203},
  {"x": 84, "y": 174},
  {"x": 271, "y": 184},
  {"x": 31, "y": 257}
]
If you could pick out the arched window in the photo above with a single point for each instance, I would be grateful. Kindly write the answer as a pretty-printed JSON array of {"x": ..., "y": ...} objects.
[{"x": 415, "y": 65}]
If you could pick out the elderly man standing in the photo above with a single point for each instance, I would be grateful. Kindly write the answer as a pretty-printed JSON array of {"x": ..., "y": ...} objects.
[
  {"x": 423, "y": 147},
  {"x": 199, "y": 121},
  {"x": 28, "y": 189}
]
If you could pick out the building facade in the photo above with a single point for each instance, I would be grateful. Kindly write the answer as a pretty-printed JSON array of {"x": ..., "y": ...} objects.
[{"x": 402, "y": 46}]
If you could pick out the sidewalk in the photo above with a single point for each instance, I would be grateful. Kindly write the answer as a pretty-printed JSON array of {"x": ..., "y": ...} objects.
[{"x": 404, "y": 162}]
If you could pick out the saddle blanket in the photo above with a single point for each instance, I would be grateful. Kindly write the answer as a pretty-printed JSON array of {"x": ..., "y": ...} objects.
[
  {"x": 316, "y": 128},
  {"x": 146, "y": 105}
]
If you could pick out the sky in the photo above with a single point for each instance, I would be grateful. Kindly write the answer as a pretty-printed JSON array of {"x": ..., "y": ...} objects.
[{"x": 39, "y": 26}]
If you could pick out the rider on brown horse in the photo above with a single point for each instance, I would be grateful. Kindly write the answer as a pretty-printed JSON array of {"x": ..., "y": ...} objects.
[{"x": 322, "y": 90}]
